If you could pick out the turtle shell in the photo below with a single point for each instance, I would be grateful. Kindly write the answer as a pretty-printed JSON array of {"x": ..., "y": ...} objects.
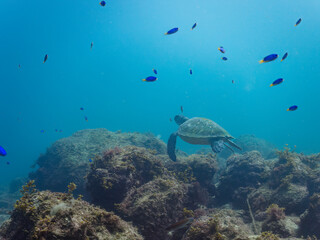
[{"x": 201, "y": 131}]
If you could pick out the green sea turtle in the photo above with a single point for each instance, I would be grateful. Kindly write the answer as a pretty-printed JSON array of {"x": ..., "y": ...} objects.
[{"x": 200, "y": 131}]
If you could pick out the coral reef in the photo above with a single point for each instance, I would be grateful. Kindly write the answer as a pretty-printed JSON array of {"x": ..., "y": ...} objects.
[
  {"x": 67, "y": 160},
  {"x": 47, "y": 215},
  {"x": 117, "y": 171}
]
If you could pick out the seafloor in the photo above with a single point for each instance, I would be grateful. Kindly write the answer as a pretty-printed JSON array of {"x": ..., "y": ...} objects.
[{"x": 98, "y": 184}]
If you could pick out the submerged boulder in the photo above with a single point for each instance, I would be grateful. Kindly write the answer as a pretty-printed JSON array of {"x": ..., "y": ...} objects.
[
  {"x": 156, "y": 205},
  {"x": 278, "y": 223},
  {"x": 119, "y": 170},
  {"x": 242, "y": 175},
  {"x": 310, "y": 219},
  {"x": 220, "y": 224},
  {"x": 67, "y": 160},
  {"x": 196, "y": 167},
  {"x": 50, "y": 216}
]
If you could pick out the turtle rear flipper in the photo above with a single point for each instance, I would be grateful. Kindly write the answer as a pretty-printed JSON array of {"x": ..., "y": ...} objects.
[
  {"x": 171, "y": 146},
  {"x": 229, "y": 148},
  {"x": 233, "y": 144}
]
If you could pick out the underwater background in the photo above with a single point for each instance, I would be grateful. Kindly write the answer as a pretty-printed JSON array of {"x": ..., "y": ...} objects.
[{"x": 128, "y": 42}]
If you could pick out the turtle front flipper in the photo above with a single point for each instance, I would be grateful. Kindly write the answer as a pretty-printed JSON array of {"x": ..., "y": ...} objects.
[
  {"x": 171, "y": 146},
  {"x": 217, "y": 146},
  {"x": 233, "y": 144}
]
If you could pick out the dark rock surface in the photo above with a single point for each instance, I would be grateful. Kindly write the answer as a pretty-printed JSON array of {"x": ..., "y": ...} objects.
[{"x": 310, "y": 219}]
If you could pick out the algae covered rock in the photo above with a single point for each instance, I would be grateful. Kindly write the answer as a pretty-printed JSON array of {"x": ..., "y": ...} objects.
[
  {"x": 47, "y": 215},
  {"x": 277, "y": 222},
  {"x": 221, "y": 224},
  {"x": 243, "y": 174},
  {"x": 67, "y": 160},
  {"x": 196, "y": 167},
  {"x": 310, "y": 219},
  {"x": 117, "y": 171},
  {"x": 156, "y": 205}
]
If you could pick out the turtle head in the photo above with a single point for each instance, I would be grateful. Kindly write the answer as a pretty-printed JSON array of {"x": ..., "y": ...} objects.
[{"x": 179, "y": 119}]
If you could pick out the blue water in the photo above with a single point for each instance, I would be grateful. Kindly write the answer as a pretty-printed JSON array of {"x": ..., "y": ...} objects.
[{"x": 129, "y": 42}]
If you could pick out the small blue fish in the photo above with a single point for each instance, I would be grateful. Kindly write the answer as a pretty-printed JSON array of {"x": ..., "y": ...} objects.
[
  {"x": 8, "y": 163},
  {"x": 155, "y": 71},
  {"x": 232, "y": 81},
  {"x": 194, "y": 25},
  {"x": 172, "y": 31},
  {"x": 224, "y": 58},
  {"x": 102, "y": 3},
  {"x": 56, "y": 130},
  {"x": 45, "y": 58},
  {"x": 2, "y": 152},
  {"x": 150, "y": 79},
  {"x": 86, "y": 118},
  {"x": 269, "y": 58},
  {"x": 298, "y": 22},
  {"x": 42, "y": 131},
  {"x": 190, "y": 71},
  {"x": 90, "y": 160},
  {"x": 91, "y": 45},
  {"x": 81, "y": 108},
  {"x": 284, "y": 56},
  {"x": 221, "y": 49},
  {"x": 292, "y": 108},
  {"x": 277, "y": 82}
]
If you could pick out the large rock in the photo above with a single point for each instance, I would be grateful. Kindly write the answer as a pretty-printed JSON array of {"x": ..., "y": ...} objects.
[
  {"x": 310, "y": 219},
  {"x": 51, "y": 216},
  {"x": 196, "y": 167},
  {"x": 221, "y": 224},
  {"x": 118, "y": 171},
  {"x": 157, "y": 204},
  {"x": 243, "y": 174},
  {"x": 67, "y": 160}
]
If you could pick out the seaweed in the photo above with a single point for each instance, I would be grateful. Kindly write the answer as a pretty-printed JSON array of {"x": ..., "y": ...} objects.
[{"x": 267, "y": 236}]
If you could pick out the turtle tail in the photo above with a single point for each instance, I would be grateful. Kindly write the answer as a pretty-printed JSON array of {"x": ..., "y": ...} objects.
[{"x": 171, "y": 146}]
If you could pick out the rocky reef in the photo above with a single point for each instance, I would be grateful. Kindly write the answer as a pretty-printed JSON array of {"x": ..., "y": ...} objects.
[
  {"x": 148, "y": 189},
  {"x": 47, "y": 215},
  {"x": 67, "y": 160},
  {"x": 257, "y": 194}
]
